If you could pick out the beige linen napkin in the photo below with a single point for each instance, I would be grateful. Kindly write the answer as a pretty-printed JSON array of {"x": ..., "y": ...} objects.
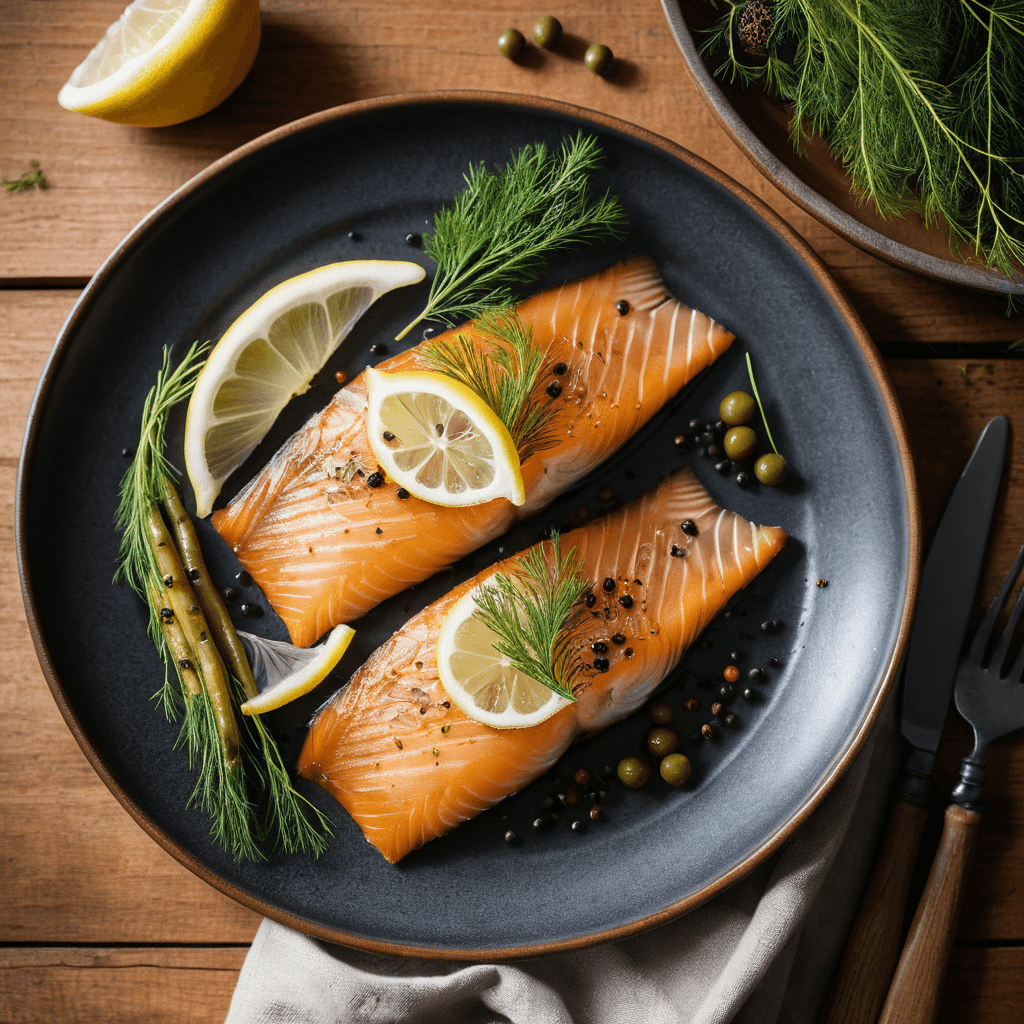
[{"x": 761, "y": 952}]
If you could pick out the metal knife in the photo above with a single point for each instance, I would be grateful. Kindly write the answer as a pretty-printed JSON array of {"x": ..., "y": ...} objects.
[{"x": 948, "y": 585}]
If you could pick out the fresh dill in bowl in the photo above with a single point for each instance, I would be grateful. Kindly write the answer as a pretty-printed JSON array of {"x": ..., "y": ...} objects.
[{"x": 921, "y": 101}]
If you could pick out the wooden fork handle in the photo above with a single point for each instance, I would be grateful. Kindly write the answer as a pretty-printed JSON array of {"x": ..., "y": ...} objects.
[
  {"x": 873, "y": 947},
  {"x": 917, "y": 987}
]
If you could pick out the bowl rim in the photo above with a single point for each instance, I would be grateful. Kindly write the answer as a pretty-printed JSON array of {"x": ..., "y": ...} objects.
[
  {"x": 973, "y": 275},
  {"x": 469, "y": 97}
]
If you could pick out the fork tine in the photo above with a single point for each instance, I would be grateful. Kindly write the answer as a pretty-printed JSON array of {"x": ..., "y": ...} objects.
[
  {"x": 1004, "y": 645},
  {"x": 988, "y": 624}
]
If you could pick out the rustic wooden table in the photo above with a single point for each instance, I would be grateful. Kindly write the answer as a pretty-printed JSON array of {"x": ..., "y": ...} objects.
[{"x": 96, "y": 921}]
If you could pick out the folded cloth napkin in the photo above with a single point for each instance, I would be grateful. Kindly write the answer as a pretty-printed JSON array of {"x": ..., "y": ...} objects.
[{"x": 761, "y": 952}]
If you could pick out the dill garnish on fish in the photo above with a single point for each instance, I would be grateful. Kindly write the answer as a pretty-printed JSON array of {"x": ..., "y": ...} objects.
[
  {"x": 499, "y": 230},
  {"x": 536, "y": 612}
]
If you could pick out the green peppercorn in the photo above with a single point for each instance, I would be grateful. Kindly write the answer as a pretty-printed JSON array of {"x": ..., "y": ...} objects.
[
  {"x": 675, "y": 769},
  {"x": 547, "y": 32},
  {"x": 511, "y": 43},
  {"x": 662, "y": 742},
  {"x": 599, "y": 59},
  {"x": 661, "y": 713},
  {"x": 633, "y": 772},
  {"x": 771, "y": 469},
  {"x": 737, "y": 408},
  {"x": 740, "y": 443}
]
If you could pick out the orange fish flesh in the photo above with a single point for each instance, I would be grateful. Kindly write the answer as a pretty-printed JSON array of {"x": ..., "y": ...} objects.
[
  {"x": 409, "y": 766},
  {"x": 325, "y": 547}
]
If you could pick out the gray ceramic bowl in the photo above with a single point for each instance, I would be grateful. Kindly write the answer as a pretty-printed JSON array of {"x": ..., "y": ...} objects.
[{"x": 817, "y": 182}]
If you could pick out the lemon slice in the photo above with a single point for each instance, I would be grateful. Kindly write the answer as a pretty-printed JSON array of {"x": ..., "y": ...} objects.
[
  {"x": 166, "y": 61},
  {"x": 439, "y": 440},
  {"x": 481, "y": 681},
  {"x": 268, "y": 355},
  {"x": 284, "y": 672}
]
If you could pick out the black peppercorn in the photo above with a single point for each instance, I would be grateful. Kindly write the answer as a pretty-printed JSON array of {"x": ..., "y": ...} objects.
[
  {"x": 712, "y": 451},
  {"x": 127, "y": 452},
  {"x": 622, "y": 307},
  {"x": 677, "y": 551},
  {"x": 681, "y": 441},
  {"x": 742, "y": 479},
  {"x": 378, "y": 348},
  {"x": 599, "y": 647},
  {"x": 748, "y": 694},
  {"x": 538, "y": 824},
  {"x": 628, "y": 652},
  {"x": 725, "y": 691},
  {"x": 601, "y": 664},
  {"x": 388, "y": 436},
  {"x": 554, "y": 389},
  {"x": 689, "y": 527},
  {"x": 229, "y": 593},
  {"x": 577, "y": 826},
  {"x": 355, "y": 236},
  {"x": 730, "y": 719},
  {"x": 243, "y": 578},
  {"x": 618, "y": 638},
  {"x": 185, "y": 664},
  {"x": 413, "y": 239},
  {"x": 375, "y": 480},
  {"x": 559, "y": 369},
  {"x": 510, "y": 836},
  {"x": 595, "y": 813},
  {"x": 695, "y": 424},
  {"x": 379, "y": 531},
  {"x": 626, "y": 601},
  {"x": 774, "y": 662},
  {"x": 609, "y": 584},
  {"x": 756, "y": 674},
  {"x": 166, "y": 613},
  {"x": 403, "y": 493},
  {"x": 706, "y": 731},
  {"x": 252, "y": 610},
  {"x": 591, "y": 600}
]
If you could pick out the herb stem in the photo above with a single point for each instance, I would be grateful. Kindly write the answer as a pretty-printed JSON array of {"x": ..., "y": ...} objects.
[{"x": 764, "y": 419}]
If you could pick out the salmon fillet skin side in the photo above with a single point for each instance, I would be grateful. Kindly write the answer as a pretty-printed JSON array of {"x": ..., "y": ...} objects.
[
  {"x": 409, "y": 766},
  {"x": 326, "y": 547}
]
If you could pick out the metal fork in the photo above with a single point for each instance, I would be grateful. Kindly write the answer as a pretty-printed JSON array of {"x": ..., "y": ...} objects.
[{"x": 990, "y": 696}]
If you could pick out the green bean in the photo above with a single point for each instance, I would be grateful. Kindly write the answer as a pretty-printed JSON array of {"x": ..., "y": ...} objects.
[
  {"x": 222, "y": 629},
  {"x": 182, "y": 653},
  {"x": 183, "y": 605}
]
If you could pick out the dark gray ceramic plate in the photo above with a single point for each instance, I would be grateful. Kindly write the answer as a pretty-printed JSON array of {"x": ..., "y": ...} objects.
[{"x": 286, "y": 203}]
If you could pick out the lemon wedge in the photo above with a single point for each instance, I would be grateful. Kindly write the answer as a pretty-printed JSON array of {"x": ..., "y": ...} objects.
[
  {"x": 268, "y": 355},
  {"x": 166, "y": 61},
  {"x": 284, "y": 672},
  {"x": 481, "y": 681},
  {"x": 439, "y": 440}
]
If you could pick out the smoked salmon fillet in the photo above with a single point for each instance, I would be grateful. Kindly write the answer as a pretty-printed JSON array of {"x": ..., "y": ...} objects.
[
  {"x": 326, "y": 547},
  {"x": 409, "y": 766}
]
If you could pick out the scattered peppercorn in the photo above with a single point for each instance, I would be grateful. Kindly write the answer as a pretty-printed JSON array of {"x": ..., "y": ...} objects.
[
  {"x": 402, "y": 493},
  {"x": 599, "y": 647},
  {"x": 378, "y": 348},
  {"x": 595, "y": 813},
  {"x": 166, "y": 613},
  {"x": 168, "y": 580},
  {"x": 618, "y": 639},
  {"x": 731, "y": 673},
  {"x": 678, "y": 552},
  {"x": 559, "y": 369},
  {"x": 127, "y": 452},
  {"x": 581, "y": 776},
  {"x": 742, "y": 479},
  {"x": 375, "y": 480},
  {"x": 626, "y": 601},
  {"x": 185, "y": 664},
  {"x": 388, "y": 436},
  {"x": 554, "y": 389},
  {"x": 538, "y": 824},
  {"x": 354, "y": 236},
  {"x": 379, "y": 531},
  {"x": 756, "y": 674},
  {"x": 661, "y": 713},
  {"x": 689, "y": 527},
  {"x": 605, "y": 494},
  {"x": 340, "y": 376},
  {"x": 511, "y": 43},
  {"x": 774, "y": 662},
  {"x": 243, "y": 578},
  {"x": 723, "y": 466},
  {"x": 609, "y": 584},
  {"x": 622, "y": 307},
  {"x": 706, "y": 731},
  {"x": 822, "y": 583},
  {"x": 691, "y": 704},
  {"x": 577, "y": 826},
  {"x": 510, "y": 836},
  {"x": 681, "y": 441},
  {"x": 601, "y": 664},
  {"x": 414, "y": 239},
  {"x": 695, "y": 424},
  {"x": 712, "y": 451},
  {"x": 628, "y": 652},
  {"x": 730, "y": 719},
  {"x": 725, "y": 691},
  {"x": 716, "y": 709},
  {"x": 748, "y": 694},
  {"x": 229, "y": 593},
  {"x": 590, "y": 600},
  {"x": 252, "y": 610}
]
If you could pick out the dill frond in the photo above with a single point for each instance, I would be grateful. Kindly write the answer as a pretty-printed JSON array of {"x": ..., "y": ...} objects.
[
  {"x": 921, "y": 101},
  {"x": 536, "y": 613},
  {"x": 505, "y": 375},
  {"x": 498, "y": 232}
]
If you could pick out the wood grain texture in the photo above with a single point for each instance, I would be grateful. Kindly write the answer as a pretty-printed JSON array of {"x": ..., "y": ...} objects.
[
  {"x": 86, "y": 986},
  {"x": 873, "y": 947},
  {"x": 917, "y": 987}
]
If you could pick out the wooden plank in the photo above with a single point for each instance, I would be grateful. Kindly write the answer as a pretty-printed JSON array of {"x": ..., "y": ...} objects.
[
  {"x": 106, "y": 177},
  {"x": 984, "y": 986},
  {"x": 130, "y": 986}
]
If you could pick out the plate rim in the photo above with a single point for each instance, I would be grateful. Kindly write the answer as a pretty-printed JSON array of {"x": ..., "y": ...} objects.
[
  {"x": 512, "y": 100},
  {"x": 974, "y": 276}
]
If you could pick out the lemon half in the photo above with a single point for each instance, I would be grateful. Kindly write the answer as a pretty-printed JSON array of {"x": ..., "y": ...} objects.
[
  {"x": 440, "y": 440},
  {"x": 166, "y": 61},
  {"x": 271, "y": 353},
  {"x": 481, "y": 681}
]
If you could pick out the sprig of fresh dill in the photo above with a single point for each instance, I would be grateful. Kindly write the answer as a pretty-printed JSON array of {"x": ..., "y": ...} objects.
[
  {"x": 29, "y": 180},
  {"x": 499, "y": 231},
  {"x": 920, "y": 100},
  {"x": 504, "y": 373},
  {"x": 536, "y": 612},
  {"x": 233, "y": 792}
]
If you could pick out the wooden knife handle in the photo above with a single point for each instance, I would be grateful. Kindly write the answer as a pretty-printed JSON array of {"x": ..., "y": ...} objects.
[
  {"x": 873, "y": 947},
  {"x": 917, "y": 986}
]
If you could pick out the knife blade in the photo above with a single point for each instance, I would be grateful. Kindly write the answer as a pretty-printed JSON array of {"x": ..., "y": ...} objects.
[{"x": 948, "y": 584}]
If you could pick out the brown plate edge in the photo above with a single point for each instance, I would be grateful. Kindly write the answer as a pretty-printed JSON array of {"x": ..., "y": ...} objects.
[
  {"x": 976, "y": 277},
  {"x": 817, "y": 267}
]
